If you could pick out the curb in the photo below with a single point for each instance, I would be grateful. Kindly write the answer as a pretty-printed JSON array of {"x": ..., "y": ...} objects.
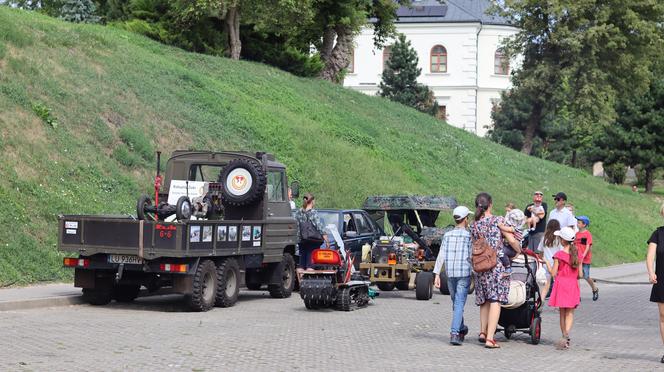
[{"x": 41, "y": 302}]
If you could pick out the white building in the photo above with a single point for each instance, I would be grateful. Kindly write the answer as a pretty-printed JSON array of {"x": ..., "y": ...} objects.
[{"x": 458, "y": 46}]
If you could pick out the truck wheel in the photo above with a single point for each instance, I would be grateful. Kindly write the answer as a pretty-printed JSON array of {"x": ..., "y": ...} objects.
[
  {"x": 443, "y": 283},
  {"x": 403, "y": 286},
  {"x": 126, "y": 292},
  {"x": 97, "y": 296},
  {"x": 143, "y": 201},
  {"x": 285, "y": 288},
  {"x": 385, "y": 286},
  {"x": 228, "y": 283},
  {"x": 204, "y": 287},
  {"x": 424, "y": 285},
  {"x": 183, "y": 209},
  {"x": 243, "y": 182}
]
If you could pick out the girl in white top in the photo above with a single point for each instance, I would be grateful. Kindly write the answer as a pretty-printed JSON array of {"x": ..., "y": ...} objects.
[{"x": 549, "y": 245}]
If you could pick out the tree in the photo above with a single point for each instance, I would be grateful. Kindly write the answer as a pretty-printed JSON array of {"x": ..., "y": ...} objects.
[
  {"x": 577, "y": 56},
  {"x": 636, "y": 137},
  {"x": 79, "y": 11},
  {"x": 399, "y": 81},
  {"x": 337, "y": 22}
]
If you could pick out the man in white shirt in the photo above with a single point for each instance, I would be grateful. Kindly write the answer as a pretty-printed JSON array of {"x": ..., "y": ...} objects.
[{"x": 560, "y": 213}]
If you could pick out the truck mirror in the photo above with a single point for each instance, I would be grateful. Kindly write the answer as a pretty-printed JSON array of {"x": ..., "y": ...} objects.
[
  {"x": 295, "y": 189},
  {"x": 351, "y": 234}
]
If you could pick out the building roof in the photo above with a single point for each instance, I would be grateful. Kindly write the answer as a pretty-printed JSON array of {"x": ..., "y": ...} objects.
[{"x": 449, "y": 11}]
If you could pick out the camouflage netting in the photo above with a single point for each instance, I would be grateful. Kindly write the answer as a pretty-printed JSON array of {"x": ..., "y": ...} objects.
[{"x": 402, "y": 202}]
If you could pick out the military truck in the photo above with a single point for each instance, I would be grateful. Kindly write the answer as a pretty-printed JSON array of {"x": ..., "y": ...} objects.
[{"x": 220, "y": 220}]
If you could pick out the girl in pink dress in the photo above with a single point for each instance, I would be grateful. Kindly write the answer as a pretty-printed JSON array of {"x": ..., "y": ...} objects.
[{"x": 565, "y": 294}]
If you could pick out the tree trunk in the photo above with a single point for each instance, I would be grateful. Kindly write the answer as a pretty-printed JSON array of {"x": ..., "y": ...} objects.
[
  {"x": 339, "y": 57},
  {"x": 649, "y": 179},
  {"x": 328, "y": 43},
  {"x": 232, "y": 27},
  {"x": 531, "y": 128}
]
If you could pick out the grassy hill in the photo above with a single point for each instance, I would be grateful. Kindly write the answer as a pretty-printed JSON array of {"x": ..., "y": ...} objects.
[{"x": 83, "y": 107}]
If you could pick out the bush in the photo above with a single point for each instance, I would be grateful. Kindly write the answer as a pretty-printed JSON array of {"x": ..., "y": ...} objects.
[
  {"x": 615, "y": 173},
  {"x": 137, "y": 142},
  {"x": 123, "y": 155},
  {"x": 79, "y": 11}
]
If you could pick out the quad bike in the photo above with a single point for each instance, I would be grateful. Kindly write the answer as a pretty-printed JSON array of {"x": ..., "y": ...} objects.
[{"x": 331, "y": 283}]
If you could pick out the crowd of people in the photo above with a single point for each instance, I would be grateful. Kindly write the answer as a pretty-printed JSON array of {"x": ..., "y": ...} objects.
[{"x": 559, "y": 239}]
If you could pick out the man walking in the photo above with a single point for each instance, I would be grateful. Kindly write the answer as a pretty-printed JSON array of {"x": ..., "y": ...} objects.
[
  {"x": 562, "y": 214},
  {"x": 455, "y": 251},
  {"x": 536, "y": 215}
]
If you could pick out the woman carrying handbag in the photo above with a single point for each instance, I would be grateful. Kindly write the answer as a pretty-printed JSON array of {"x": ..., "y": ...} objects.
[{"x": 311, "y": 231}]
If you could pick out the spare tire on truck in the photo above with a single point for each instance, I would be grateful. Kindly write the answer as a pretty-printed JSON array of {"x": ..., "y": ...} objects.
[{"x": 243, "y": 182}]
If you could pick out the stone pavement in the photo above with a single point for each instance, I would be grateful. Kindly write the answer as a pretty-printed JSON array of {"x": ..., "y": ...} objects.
[{"x": 397, "y": 332}]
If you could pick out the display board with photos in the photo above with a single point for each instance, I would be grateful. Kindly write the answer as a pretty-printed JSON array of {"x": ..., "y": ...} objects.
[{"x": 225, "y": 235}]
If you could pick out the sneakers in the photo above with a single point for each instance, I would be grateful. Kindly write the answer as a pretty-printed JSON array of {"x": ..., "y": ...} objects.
[
  {"x": 596, "y": 294},
  {"x": 455, "y": 339}
]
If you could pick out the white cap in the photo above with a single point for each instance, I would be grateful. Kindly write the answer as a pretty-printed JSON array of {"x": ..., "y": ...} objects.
[
  {"x": 461, "y": 212},
  {"x": 566, "y": 233}
]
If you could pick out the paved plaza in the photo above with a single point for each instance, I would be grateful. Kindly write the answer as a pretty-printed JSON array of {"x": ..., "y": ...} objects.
[{"x": 396, "y": 332}]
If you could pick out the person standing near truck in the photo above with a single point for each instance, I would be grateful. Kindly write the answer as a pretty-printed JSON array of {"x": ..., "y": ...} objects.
[
  {"x": 454, "y": 253},
  {"x": 308, "y": 214}
]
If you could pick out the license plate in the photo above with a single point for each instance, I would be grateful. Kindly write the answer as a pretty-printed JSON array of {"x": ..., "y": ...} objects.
[{"x": 124, "y": 259}]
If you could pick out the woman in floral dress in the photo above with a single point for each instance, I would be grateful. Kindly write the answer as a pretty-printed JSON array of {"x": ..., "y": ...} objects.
[{"x": 491, "y": 287}]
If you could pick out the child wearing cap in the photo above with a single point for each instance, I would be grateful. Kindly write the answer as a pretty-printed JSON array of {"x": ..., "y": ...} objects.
[
  {"x": 565, "y": 293},
  {"x": 584, "y": 244},
  {"x": 454, "y": 254}
]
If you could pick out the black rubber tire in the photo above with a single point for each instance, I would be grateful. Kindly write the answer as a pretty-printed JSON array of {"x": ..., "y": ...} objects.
[
  {"x": 311, "y": 304},
  {"x": 254, "y": 194},
  {"x": 97, "y": 296},
  {"x": 126, "y": 292},
  {"x": 509, "y": 331},
  {"x": 228, "y": 283},
  {"x": 288, "y": 277},
  {"x": 254, "y": 286},
  {"x": 183, "y": 209},
  {"x": 204, "y": 287},
  {"x": 403, "y": 286},
  {"x": 535, "y": 330},
  {"x": 143, "y": 201},
  {"x": 444, "y": 289},
  {"x": 385, "y": 286},
  {"x": 424, "y": 285}
]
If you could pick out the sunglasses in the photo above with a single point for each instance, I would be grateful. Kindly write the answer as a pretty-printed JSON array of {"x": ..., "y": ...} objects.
[{"x": 557, "y": 199}]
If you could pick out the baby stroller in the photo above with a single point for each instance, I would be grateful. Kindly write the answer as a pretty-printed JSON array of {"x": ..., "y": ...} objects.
[{"x": 524, "y": 317}]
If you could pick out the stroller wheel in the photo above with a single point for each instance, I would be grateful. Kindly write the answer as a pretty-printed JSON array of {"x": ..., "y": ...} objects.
[
  {"x": 535, "y": 330},
  {"x": 509, "y": 331}
]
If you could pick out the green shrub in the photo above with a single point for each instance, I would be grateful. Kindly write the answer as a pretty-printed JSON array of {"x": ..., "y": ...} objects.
[
  {"x": 134, "y": 138},
  {"x": 123, "y": 155},
  {"x": 615, "y": 173},
  {"x": 44, "y": 113}
]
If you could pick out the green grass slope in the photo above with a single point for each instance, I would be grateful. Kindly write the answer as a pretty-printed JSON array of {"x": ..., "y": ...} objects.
[{"x": 83, "y": 107}]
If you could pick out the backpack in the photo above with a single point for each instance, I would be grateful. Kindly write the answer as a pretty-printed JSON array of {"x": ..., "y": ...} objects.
[
  {"x": 309, "y": 231},
  {"x": 484, "y": 257}
]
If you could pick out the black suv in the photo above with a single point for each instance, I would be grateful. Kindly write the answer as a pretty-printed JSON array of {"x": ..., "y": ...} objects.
[{"x": 355, "y": 227}]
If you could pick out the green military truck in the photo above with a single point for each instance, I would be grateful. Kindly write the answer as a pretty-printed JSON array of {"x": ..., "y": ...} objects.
[{"x": 220, "y": 220}]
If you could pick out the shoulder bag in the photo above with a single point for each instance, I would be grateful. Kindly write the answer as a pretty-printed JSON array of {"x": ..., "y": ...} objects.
[
  {"x": 309, "y": 231},
  {"x": 484, "y": 257}
]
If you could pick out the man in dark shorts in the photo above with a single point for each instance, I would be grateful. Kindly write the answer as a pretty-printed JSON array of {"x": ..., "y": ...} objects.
[{"x": 533, "y": 213}]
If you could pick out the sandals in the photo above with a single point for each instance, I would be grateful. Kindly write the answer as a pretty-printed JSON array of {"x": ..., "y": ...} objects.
[
  {"x": 482, "y": 337},
  {"x": 491, "y": 344},
  {"x": 563, "y": 343},
  {"x": 662, "y": 361}
]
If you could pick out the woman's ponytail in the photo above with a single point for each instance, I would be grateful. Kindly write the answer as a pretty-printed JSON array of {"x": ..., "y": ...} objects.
[
  {"x": 574, "y": 253},
  {"x": 482, "y": 202}
]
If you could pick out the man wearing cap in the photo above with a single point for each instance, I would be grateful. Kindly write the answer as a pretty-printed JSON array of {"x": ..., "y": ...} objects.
[
  {"x": 534, "y": 213},
  {"x": 562, "y": 214},
  {"x": 584, "y": 244},
  {"x": 455, "y": 250}
]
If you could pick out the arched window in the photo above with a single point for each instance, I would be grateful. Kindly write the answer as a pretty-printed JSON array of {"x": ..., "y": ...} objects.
[
  {"x": 387, "y": 53},
  {"x": 501, "y": 64},
  {"x": 351, "y": 64},
  {"x": 438, "y": 59}
]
